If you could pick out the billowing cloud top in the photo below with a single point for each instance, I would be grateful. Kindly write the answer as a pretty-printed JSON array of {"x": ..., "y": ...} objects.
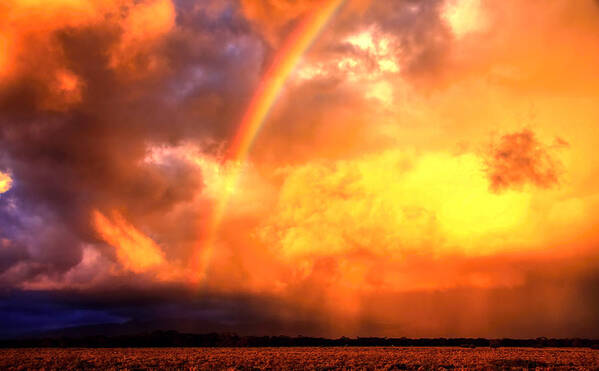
[{"x": 424, "y": 168}]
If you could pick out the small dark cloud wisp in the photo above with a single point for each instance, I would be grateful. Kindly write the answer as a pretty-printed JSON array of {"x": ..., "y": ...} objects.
[{"x": 520, "y": 158}]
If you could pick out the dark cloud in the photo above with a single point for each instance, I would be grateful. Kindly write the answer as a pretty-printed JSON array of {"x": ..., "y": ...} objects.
[
  {"x": 146, "y": 309},
  {"x": 519, "y": 159},
  {"x": 556, "y": 299},
  {"x": 70, "y": 157},
  {"x": 424, "y": 40}
]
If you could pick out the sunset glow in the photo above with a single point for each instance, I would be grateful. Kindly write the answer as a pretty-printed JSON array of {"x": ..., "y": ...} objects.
[
  {"x": 5, "y": 182},
  {"x": 465, "y": 16},
  {"x": 331, "y": 167}
]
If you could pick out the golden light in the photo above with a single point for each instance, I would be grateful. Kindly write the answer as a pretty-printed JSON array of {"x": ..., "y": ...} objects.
[
  {"x": 464, "y": 16},
  {"x": 219, "y": 176},
  {"x": 135, "y": 251},
  {"x": 437, "y": 203},
  {"x": 5, "y": 182}
]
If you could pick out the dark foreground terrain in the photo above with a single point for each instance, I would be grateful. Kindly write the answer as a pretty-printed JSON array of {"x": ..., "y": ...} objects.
[{"x": 372, "y": 358}]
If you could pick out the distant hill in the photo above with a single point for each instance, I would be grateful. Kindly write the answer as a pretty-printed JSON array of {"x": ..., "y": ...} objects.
[
  {"x": 177, "y": 339},
  {"x": 180, "y": 325}
]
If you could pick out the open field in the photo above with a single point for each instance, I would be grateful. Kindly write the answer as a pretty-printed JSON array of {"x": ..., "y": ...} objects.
[{"x": 374, "y": 358}]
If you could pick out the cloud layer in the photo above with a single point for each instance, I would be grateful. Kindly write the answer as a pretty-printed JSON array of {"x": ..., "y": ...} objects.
[{"x": 424, "y": 156}]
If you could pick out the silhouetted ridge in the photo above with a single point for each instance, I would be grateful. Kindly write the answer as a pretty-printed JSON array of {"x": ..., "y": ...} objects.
[{"x": 177, "y": 339}]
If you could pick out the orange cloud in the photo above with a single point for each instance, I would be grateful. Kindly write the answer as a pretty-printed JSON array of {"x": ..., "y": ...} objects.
[
  {"x": 65, "y": 90},
  {"x": 272, "y": 16},
  {"x": 30, "y": 44},
  {"x": 143, "y": 28},
  {"x": 134, "y": 250},
  {"x": 26, "y": 23}
]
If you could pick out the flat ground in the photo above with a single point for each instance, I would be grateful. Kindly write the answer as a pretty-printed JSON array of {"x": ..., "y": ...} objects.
[{"x": 376, "y": 358}]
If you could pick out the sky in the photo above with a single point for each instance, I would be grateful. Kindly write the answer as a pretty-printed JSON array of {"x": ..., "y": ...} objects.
[{"x": 415, "y": 168}]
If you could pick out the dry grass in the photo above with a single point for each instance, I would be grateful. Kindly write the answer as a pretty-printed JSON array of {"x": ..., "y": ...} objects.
[{"x": 379, "y": 358}]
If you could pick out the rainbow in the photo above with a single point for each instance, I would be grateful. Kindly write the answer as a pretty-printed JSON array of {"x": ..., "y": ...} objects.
[
  {"x": 276, "y": 76},
  {"x": 262, "y": 101}
]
